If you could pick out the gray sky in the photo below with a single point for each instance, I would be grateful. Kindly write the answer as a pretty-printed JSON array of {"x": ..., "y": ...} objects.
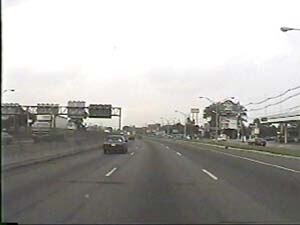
[{"x": 150, "y": 57}]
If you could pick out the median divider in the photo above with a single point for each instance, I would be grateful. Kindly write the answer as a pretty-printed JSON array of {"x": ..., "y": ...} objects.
[{"x": 29, "y": 153}]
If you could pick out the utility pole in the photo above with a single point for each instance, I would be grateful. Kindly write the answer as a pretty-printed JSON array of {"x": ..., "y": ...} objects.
[{"x": 120, "y": 120}]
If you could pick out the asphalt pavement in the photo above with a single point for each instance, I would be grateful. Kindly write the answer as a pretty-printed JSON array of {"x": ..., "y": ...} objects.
[{"x": 158, "y": 181}]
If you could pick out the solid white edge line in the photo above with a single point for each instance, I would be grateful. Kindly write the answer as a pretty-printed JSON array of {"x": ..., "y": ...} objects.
[
  {"x": 210, "y": 174},
  {"x": 178, "y": 153},
  {"x": 257, "y": 161},
  {"x": 260, "y": 162},
  {"x": 110, "y": 172},
  {"x": 252, "y": 150}
]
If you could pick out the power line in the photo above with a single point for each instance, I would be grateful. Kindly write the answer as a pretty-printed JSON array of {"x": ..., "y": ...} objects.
[
  {"x": 294, "y": 107},
  {"x": 274, "y": 97},
  {"x": 276, "y": 103}
]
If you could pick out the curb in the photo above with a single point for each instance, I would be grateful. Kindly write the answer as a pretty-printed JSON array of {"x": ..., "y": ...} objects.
[{"x": 29, "y": 162}]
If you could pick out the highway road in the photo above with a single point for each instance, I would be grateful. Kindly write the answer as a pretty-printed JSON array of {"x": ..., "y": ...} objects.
[{"x": 158, "y": 181}]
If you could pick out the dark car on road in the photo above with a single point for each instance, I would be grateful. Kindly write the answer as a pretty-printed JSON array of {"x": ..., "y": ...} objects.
[
  {"x": 257, "y": 141},
  {"x": 115, "y": 144}
]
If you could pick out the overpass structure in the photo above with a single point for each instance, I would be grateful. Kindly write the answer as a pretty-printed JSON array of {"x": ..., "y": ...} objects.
[
  {"x": 281, "y": 118},
  {"x": 284, "y": 120}
]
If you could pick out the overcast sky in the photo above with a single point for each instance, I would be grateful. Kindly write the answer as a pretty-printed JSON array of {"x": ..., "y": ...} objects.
[{"x": 150, "y": 57}]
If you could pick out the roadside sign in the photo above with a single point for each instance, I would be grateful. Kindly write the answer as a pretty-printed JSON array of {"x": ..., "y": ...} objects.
[
  {"x": 195, "y": 110},
  {"x": 76, "y": 109},
  {"x": 228, "y": 122},
  {"x": 47, "y": 108},
  {"x": 100, "y": 111},
  {"x": 10, "y": 109}
]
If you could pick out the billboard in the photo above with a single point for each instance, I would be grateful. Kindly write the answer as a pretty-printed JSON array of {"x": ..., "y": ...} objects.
[
  {"x": 44, "y": 117},
  {"x": 76, "y": 109},
  {"x": 100, "y": 111},
  {"x": 194, "y": 110},
  {"x": 228, "y": 122}
]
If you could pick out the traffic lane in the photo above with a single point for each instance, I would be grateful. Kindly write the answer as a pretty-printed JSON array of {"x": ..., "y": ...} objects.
[
  {"x": 27, "y": 187},
  {"x": 281, "y": 160},
  {"x": 143, "y": 194},
  {"x": 275, "y": 188},
  {"x": 61, "y": 205},
  {"x": 161, "y": 186}
]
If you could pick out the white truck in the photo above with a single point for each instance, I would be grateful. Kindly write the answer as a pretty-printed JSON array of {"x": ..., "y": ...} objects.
[{"x": 50, "y": 127}]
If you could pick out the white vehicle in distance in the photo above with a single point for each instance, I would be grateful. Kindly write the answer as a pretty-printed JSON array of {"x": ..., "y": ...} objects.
[{"x": 222, "y": 137}]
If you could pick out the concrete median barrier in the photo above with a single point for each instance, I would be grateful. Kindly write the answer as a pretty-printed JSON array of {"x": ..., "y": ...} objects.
[{"x": 21, "y": 154}]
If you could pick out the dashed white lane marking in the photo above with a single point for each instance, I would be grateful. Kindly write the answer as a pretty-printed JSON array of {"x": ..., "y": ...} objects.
[
  {"x": 260, "y": 162},
  {"x": 257, "y": 161},
  {"x": 110, "y": 172},
  {"x": 167, "y": 147},
  {"x": 136, "y": 147},
  {"x": 178, "y": 153},
  {"x": 132, "y": 153},
  {"x": 210, "y": 174},
  {"x": 87, "y": 196}
]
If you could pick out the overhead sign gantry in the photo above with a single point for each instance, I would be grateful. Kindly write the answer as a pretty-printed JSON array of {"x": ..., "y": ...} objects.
[{"x": 74, "y": 110}]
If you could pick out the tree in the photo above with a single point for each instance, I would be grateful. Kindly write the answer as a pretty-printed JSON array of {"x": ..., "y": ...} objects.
[
  {"x": 226, "y": 108},
  {"x": 210, "y": 112},
  {"x": 242, "y": 119}
]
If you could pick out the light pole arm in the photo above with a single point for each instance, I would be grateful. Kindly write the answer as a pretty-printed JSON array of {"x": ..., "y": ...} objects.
[
  {"x": 213, "y": 102},
  {"x": 285, "y": 29},
  {"x": 6, "y": 90}
]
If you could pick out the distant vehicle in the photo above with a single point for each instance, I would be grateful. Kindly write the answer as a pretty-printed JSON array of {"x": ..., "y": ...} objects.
[
  {"x": 49, "y": 127},
  {"x": 222, "y": 137},
  {"x": 71, "y": 125},
  {"x": 6, "y": 138},
  {"x": 115, "y": 143},
  {"x": 188, "y": 137},
  {"x": 257, "y": 141},
  {"x": 131, "y": 135},
  {"x": 270, "y": 138},
  {"x": 178, "y": 136}
]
